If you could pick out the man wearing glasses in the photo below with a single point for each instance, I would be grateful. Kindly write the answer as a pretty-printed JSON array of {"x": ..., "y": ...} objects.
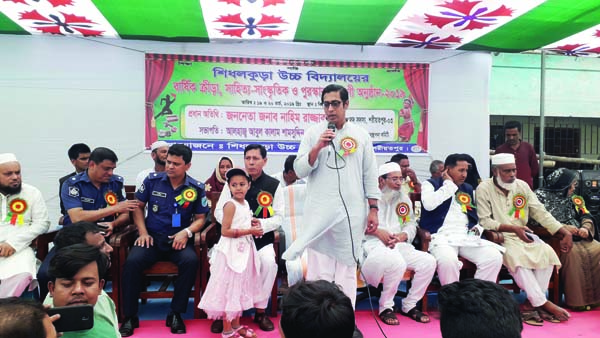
[{"x": 338, "y": 160}]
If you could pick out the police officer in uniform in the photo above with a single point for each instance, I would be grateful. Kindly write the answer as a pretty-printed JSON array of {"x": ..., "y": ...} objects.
[
  {"x": 177, "y": 207},
  {"x": 268, "y": 206}
]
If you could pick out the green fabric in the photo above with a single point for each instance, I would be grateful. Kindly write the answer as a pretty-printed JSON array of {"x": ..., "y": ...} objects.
[
  {"x": 7, "y": 26},
  {"x": 354, "y": 21},
  {"x": 551, "y": 21},
  {"x": 176, "y": 20}
]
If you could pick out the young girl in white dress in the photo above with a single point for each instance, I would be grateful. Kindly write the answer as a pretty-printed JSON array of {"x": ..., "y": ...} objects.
[{"x": 233, "y": 264}]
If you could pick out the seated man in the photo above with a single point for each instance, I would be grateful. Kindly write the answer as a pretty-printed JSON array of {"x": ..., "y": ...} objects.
[
  {"x": 317, "y": 309},
  {"x": 435, "y": 168},
  {"x": 79, "y": 154},
  {"x": 410, "y": 182},
  {"x": 80, "y": 232},
  {"x": 448, "y": 213},
  {"x": 76, "y": 278},
  {"x": 474, "y": 308},
  {"x": 505, "y": 204},
  {"x": 25, "y": 318},
  {"x": 23, "y": 217},
  {"x": 158, "y": 153},
  {"x": 288, "y": 176},
  {"x": 389, "y": 250},
  {"x": 176, "y": 210},
  {"x": 96, "y": 195}
]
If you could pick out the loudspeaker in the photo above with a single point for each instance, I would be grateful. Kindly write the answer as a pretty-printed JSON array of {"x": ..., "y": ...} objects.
[{"x": 589, "y": 189}]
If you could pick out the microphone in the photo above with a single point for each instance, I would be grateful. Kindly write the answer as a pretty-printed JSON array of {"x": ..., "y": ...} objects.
[{"x": 331, "y": 126}]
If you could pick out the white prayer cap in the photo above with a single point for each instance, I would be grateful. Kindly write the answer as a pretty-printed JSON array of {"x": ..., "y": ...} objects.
[
  {"x": 8, "y": 157},
  {"x": 499, "y": 159},
  {"x": 158, "y": 144},
  {"x": 387, "y": 168}
]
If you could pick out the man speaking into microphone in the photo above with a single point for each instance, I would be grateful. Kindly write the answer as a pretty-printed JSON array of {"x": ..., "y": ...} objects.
[{"x": 338, "y": 160}]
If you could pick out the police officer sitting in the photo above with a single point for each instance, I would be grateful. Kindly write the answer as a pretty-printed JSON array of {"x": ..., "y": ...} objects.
[{"x": 177, "y": 207}]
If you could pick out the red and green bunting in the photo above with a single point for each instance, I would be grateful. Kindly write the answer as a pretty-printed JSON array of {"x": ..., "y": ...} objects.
[{"x": 570, "y": 27}]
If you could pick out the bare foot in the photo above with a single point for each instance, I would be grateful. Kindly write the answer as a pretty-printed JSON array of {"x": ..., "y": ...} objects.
[{"x": 558, "y": 312}]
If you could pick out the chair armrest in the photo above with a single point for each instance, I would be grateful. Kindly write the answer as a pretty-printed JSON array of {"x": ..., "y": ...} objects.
[
  {"x": 424, "y": 238},
  {"x": 125, "y": 237},
  {"x": 276, "y": 237},
  {"x": 494, "y": 236},
  {"x": 41, "y": 243}
]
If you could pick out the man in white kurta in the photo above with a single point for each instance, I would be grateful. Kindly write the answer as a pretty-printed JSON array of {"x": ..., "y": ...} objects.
[
  {"x": 23, "y": 216},
  {"x": 505, "y": 203},
  {"x": 449, "y": 220},
  {"x": 159, "y": 151},
  {"x": 341, "y": 172},
  {"x": 389, "y": 251}
]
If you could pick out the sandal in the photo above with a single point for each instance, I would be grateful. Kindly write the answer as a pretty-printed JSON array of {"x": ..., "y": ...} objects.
[
  {"x": 232, "y": 334},
  {"x": 245, "y": 332},
  {"x": 416, "y": 315},
  {"x": 547, "y": 316},
  {"x": 389, "y": 317},
  {"x": 531, "y": 317}
]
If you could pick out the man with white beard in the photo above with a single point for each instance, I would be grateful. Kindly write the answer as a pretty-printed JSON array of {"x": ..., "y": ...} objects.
[
  {"x": 389, "y": 251},
  {"x": 505, "y": 203}
]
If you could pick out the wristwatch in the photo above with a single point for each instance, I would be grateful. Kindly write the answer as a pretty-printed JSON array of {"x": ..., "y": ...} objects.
[
  {"x": 189, "y": 232},
  {"x": 373, "y": 206}
]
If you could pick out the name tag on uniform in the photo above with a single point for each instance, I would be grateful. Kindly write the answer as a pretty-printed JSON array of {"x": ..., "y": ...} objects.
[
  {"x": 159, "y": 194},
  {"x": 87, "y": 200},
  {"x": 176, "y": 220}
]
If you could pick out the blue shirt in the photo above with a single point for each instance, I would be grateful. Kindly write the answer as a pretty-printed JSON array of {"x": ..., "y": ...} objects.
[
  {"x": 163, "y": 201},
  {"x": 79, "y": 192}
]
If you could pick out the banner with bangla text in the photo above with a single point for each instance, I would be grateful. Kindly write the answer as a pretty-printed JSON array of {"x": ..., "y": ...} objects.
[{"x": 222, "y": 104}]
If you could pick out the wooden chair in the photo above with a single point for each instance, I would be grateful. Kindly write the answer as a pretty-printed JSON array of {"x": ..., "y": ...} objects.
[{"x": 129, "y": 192}]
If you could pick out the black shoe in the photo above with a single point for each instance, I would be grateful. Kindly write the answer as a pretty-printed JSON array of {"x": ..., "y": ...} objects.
[
  {"x": 357, "y": 333},
  {"x": 177, "y": 325},
  {"x": 129, "y": 324},
  {"x": 169, "y": 319},
  {"x": 216, "y": 326},
  {"x": 264, "y": 323}
]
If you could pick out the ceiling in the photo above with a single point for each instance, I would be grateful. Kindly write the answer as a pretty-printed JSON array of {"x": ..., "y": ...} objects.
[{"x": 570, "y": 27}]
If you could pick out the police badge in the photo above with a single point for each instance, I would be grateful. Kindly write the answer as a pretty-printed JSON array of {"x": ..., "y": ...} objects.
[{"x": 155, "y": 208}]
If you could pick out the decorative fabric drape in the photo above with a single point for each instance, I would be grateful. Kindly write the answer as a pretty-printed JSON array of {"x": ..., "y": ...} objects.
[
  {"x": 417, "y": 80},
  {"x": 158, "y": 75}
]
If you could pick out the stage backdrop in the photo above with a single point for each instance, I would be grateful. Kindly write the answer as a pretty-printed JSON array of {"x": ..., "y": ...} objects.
[{"x": 217, "y": 104}]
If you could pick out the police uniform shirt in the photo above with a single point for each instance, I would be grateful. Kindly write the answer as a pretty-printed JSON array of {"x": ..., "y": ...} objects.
[
  {"x": 79, "y": 192},
  {"x": 161, "y": 201}
]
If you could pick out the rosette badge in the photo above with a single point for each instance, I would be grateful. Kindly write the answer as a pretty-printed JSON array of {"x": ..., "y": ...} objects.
[
  {"x": 519, "y": 202},
  {"x": 265, "y": 202},
  {"x": 348, "y": 145},
  {"x": 17, "y": 208},
  {"x": 111, "y": 198},
  {"x": 188, "y": 196},
  {"x": 402, "y": 210},
  {"x": 579, "y": 204},
  {"x": 465, "y": 201}
]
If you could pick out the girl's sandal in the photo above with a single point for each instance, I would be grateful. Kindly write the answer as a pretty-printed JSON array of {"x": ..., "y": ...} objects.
[
  {"x": 245, "y": 332},
  {"x": 232, "y": 334}
]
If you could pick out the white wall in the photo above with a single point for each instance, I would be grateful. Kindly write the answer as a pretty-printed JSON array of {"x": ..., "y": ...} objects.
[{"x": 57, "y": 91}]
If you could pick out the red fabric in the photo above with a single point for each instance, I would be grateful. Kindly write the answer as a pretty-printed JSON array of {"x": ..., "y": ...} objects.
[
  {"x": 158, "y": 75},
  {"x": 417, "y": 80},
  {"x": 525, "y": 159},
  {"x": 215, "y": 185}
]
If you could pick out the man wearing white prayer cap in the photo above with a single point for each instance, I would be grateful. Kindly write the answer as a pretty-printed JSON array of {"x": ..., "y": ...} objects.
[
  {"x": 505, "y": 203},
  {"x": 389, "y": 251},
  {"x": 23, "y": 216},
  {"x": 159, "y": 156}
]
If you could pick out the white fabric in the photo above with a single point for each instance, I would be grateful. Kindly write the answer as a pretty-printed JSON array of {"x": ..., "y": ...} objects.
[
  {"x": 20, "y": 236},
  {"x": 487, "y": 259},
  {"x": 282, "y": 184},
  {"x": 141, "y": 176},
  {"x": 266, "y": 275},
  {"x": 321, "y": 266},
  {"x": 8, "y": 157},
  {"x": 158, "y": 144},
  {"x": 500, "y": 159},
  {"x": 534, "y": 283},
  {"x": 328, "y": 231},
  {"x": 387, "y": 168},
  {"x": 238, "y": 250},
  {"x": 268, "y": 224},
  {"x": 15, "y": 286},
  {"x": 293, "y": 224}
]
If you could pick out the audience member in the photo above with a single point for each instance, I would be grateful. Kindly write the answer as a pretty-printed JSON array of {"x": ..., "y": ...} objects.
[
  {"x": 96, "y": 195},
  {"x": 158, "y": 153},
  {"x": 317, "y": 309},
  {"x": 24, "y": 217},
  {"x": 267, "y": 205},
  {"x": 473, "y": 177},
  {"x": 525, "y": 157},
  {"x": 177, "y": 207},
  {"x": 341, "y": 194},
  {"x": 389, "y": 250},
  {"x": 449, "y": 213},
  {"x": 79, "y": 154},
  {"x": 77, "y": 278},
  {"x": 24, "y": 318},
  {"x": 506, "y": 204},
  {"x": 410, "y": 182},
  {"x": 217, "y": 181},
  {"x": 580, "y": 273},
  {"x": 435, "y": 168},
  {"x": 474, "y": 308},
  {"x": 288, "y": 176}
]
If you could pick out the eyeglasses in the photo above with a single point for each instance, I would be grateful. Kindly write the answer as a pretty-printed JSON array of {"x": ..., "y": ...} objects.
[
  {"x": 394, "y": 179},
  {"x": 335, "y": 104}
]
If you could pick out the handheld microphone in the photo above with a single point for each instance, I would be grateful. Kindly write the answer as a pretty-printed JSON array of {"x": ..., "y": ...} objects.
[{"x": 331, "y": 126}]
